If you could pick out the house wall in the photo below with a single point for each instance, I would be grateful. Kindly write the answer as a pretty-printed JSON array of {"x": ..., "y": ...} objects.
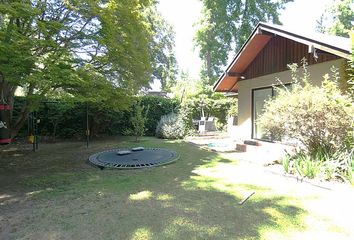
[
  {"x": 245, "y": 87},
  {"x": 231, "y": 126}
]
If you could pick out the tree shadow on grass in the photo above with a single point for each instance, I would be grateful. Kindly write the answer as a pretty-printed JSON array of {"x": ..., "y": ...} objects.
[{"x": 170, "y": 202}]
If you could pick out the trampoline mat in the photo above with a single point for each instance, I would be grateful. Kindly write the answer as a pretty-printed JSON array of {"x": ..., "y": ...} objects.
[{"x": 149, "y": 157}]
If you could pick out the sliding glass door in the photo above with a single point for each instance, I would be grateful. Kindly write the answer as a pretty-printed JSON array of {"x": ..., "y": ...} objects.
[{"x": 259, "y": 96}]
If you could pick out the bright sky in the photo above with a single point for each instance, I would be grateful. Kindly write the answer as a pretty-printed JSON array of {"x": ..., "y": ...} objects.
[{"x": 182, "y": 14}]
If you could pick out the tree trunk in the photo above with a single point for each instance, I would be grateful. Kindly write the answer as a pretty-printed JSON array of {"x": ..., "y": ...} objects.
[
  {"x": 55, "y": 125},
  {"x": 20, "y": 121},
  {"x": 208, "y": 59},
  {"x": 8, "y": 95}
]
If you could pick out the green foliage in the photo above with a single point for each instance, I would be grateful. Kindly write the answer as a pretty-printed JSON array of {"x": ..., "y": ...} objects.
[
  {"x": 317, "y": 117},
  {"x": 197, "y": 100},
  {"x": 84, "y": 51},
  {"x": 225, "y": 26},
  {"x": 68, "y": 120},
  {"x": 342, "y": 161},
  {"x": 216, "y": 105},
  {"x": 321, "y": 119},
  {"x": 55, "y": 115},
  {"x": 171, "y": 126},
  {"x": 350, "y": 69},
  {"x": 306, "y": 167},
  {"x": 158, "y": 106},
  {"x": 233, "y": 109},
  {"x": 163, "y": 55},
  {"x": 337, "y": 19},
  {"x": 286, "y": 163},
  {"x": 185, "y": 87},
  {"x": 138, "y": 120},
  {"x": 323, "y": 165}
]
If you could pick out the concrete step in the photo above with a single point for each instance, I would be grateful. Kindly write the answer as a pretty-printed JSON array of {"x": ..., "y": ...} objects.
[
  {"x": 241, "y": 147},
  {"x": 247, "y": 145}
]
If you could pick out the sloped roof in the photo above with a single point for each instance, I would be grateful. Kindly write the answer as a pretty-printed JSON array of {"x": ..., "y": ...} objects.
[{"x": 259, "y": 38}]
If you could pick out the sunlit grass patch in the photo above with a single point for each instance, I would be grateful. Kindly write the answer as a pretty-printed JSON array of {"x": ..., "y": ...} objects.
[
  {"x": 143, "y": 195},
  {"x": 142, "y": 234},
  {"x": 181, "y": 226},
  {"x": 164, "y": 197}
]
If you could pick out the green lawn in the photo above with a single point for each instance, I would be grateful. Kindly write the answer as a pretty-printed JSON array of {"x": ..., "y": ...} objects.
[{"x": 55, "y": 194}]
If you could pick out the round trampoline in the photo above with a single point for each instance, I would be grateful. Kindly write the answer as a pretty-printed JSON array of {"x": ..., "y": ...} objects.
[{"x": 127, "y": 159}]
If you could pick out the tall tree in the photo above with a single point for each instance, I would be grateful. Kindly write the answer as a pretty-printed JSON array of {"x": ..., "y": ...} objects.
[
  {"x": 97, "y": 51},
  {"x": 338, "y": 18},
  {"x": 225, "y": 26},
  {"x": 165, "y": 65}
]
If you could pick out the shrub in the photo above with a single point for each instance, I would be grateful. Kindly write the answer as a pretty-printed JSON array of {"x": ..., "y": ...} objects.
[
  {"x": 158, "y": 106},
  {"x": 190, "y": 110},
  {"x": 63, "y": 120},
  {"x": 171, "y": 126},
  {"x": 305, "y": 166},
  {"x": 318, "y": 117},
  {"x": 233, "y": 109},
  {"x": 287, "y": 163},
  {"x": 68, "y": 120},
  {"x": 321, "y": 165},
  {"x": 138, "y": 120},
  {"x": 321, "y": 119},
  {"x": 217, "y": 106}
]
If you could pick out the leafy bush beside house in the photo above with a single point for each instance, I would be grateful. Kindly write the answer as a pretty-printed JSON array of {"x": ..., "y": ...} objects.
[{"x": 320, "y": 118}]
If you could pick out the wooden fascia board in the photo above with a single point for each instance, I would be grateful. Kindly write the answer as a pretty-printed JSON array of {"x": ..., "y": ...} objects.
[
  {"x": 216, "y": 85},
  {"x": 229, "y": 72},
  {"x": 224, "y": 85}
]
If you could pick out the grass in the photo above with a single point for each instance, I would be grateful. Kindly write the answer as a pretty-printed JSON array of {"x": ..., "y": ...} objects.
[{"x": 55, "y": 194}]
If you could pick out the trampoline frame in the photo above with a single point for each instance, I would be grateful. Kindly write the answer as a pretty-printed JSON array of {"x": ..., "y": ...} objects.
[{"x": 93, "y": 159}]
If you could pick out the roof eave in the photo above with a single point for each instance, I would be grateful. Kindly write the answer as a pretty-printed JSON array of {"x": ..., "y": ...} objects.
[{"x": 264, "y": 27}]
